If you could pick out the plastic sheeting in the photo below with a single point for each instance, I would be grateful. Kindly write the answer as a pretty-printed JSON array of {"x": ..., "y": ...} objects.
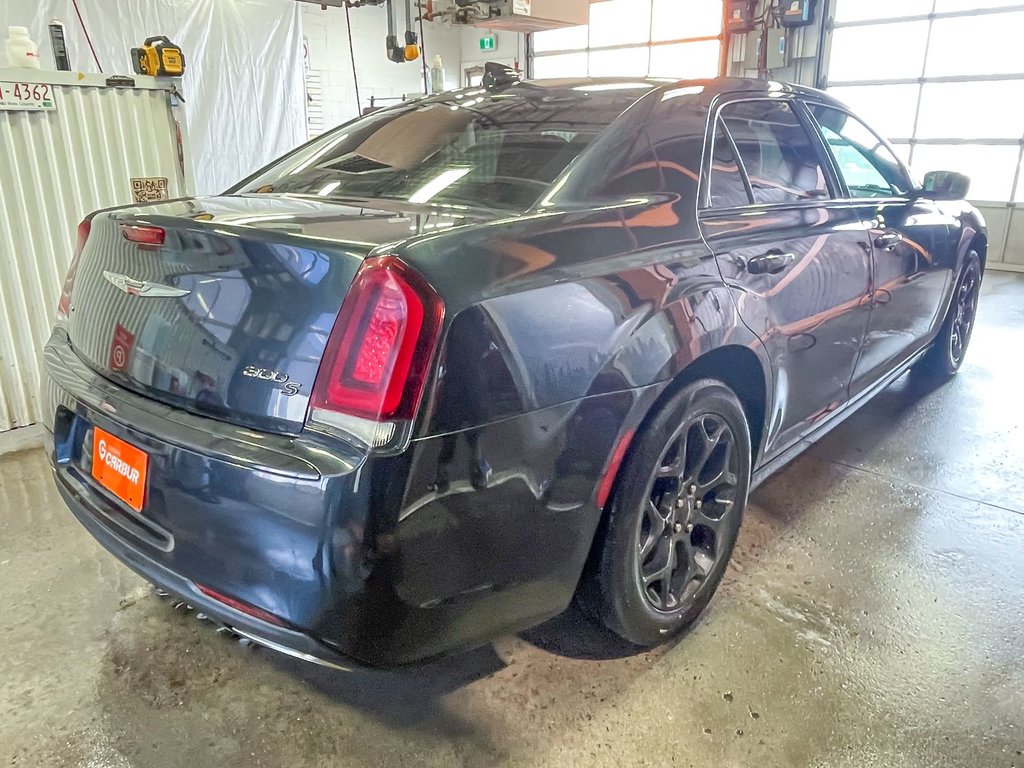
[{"x": 243, "y": 83}]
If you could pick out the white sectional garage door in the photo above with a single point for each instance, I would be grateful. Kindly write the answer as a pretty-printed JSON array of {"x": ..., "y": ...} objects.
[
  {"x": 635, "y": 38},
  {"x": 944, "y": 80}
]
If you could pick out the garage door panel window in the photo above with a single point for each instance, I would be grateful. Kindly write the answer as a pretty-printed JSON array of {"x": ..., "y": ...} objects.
[
  {"x": 950, "y": 6},
  {"x": 866, "y": 10},
  {"x": 960, "y": 112},
  {"x": 896, "y": 120},
  {"x": 681, "y": 19},
  {"x": 987, "y": 113},
  {"x": 868, "y": 167},
  {"x": 565, "y": 39},
  {"x": 563, "y": 65},
  {"x": 620, "y": 62},
  {"x": 617, "y": 22},
  {"x": 867, "y": 53},
  {"x": 976, "y": 45},
  {"x": 686, "y": 60},
  {"x": 991, "y": 168},
  {"x": 635, "y": 38},
  {"x": 777, "y": 153}
]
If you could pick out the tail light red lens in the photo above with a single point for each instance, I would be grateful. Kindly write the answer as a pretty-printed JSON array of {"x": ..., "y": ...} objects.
[
  {"x": 143, "y": 235},
  {"x": 377, "y": 357},
  {"x": 64, "y": 305}
]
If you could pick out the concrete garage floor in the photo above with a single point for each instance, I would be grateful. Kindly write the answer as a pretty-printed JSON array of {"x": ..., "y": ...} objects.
[{"x": 874, "y": 616}]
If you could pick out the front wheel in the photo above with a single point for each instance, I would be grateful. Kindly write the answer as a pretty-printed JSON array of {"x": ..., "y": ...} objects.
[
  {"x": 947, "y": 353},
  {"x": 675, "y": 516}
]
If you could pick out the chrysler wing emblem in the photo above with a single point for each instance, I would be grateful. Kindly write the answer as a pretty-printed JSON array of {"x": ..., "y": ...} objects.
[{"x": 142, "y": 288}]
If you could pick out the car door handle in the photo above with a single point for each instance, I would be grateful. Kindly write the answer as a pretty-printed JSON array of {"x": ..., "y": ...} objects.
[
  {"x": 770, "y": 263},
  {"x": 888, "y": 241}
]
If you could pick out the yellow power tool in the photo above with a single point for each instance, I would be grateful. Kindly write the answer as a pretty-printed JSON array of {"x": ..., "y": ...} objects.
[{"x": 158, "y": 57}]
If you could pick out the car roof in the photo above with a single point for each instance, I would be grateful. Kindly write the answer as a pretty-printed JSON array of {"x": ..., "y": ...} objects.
[
  {"x": 712, "y": 86},
  {"x": 640, "y": 86}
]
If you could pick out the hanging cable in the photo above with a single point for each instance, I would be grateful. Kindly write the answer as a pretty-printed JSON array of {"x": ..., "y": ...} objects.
[
  {"x": 423, "y": 53},
  {"x": 352, "y": 51},
  {"x": 87, "y": 38}
]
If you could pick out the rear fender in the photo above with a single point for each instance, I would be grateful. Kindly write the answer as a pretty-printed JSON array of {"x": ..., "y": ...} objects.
[{"x": 708, "y": 340}]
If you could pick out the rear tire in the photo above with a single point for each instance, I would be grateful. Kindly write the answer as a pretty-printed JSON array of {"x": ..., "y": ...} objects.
[
  {"x": 947, "y": 352},
  {"x": 674, "y": 517}
]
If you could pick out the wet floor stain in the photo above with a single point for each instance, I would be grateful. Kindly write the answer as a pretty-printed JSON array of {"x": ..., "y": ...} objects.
[{"x": 873, "y": 616}]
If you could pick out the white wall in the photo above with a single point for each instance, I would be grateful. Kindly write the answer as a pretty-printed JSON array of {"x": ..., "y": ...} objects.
[{"x": 329, "y": 55}]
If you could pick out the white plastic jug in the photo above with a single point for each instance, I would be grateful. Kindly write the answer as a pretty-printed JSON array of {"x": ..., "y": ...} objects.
[{"x": 21, "y": 50}]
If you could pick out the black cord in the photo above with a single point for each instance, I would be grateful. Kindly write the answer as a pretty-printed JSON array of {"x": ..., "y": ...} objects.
[
  {"x": 352, "y": 51},
  {"x": 423, "y": 52}
]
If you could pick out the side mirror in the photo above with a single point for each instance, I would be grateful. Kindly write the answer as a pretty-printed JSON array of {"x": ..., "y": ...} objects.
[{"x": 946, "y": 185}]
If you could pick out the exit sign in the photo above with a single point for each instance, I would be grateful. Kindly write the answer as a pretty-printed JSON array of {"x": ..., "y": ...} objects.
[{"x": 488, "y": 43}]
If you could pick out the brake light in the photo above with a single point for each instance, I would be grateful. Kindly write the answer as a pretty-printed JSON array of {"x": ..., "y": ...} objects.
[
  {"x": 377, "y": 357},
  {"x": 64, "y": 305},
  {"x": 142, "y": 234}
]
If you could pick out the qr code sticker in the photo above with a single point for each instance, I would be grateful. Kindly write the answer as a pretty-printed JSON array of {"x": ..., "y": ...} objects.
[{"x": 149, "y": 190}]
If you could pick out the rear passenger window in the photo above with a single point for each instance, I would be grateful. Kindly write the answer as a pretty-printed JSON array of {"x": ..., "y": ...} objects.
[
  {"x": 728, "y": 190},
  {"x": 776, "y": 151}
]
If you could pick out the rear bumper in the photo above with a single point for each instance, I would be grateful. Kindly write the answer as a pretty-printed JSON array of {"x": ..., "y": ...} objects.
[
  {"x": 271, "y": 521},
  {"x": 387, "y": 561},
  {"x": 103, "y": 527}
]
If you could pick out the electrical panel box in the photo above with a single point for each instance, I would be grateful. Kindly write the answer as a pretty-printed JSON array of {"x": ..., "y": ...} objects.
[
  {"x": 739, "y": 16},
  {"x": 533, "y": 15},
  {"x": 778, "y": 52},
  {"x": 796, "y": 13},
  {"x": 777, "y": 49}
]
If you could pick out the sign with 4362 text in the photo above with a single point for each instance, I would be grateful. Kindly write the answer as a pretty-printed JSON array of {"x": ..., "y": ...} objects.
[{"x": 26, "y": 96}]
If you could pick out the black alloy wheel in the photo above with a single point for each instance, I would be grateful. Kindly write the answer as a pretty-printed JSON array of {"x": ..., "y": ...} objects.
[
  {"x": 692, "y": 491},
  {"x": 674, "y": 516},
  {"x": 965, "y": 310},
  {"x": 949, "y": 349}
]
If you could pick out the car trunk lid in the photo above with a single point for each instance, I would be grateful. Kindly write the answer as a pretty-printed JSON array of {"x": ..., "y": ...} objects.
[{"x": 229, "y": 316}]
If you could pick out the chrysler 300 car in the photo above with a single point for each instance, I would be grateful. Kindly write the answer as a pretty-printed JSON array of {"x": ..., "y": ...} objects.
[{"x": 433, "y": 374}]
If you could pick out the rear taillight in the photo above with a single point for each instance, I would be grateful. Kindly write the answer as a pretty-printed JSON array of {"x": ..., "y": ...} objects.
[
  {"x": 64, "y": 305},
  {"x": 375, "y": 366},
  {"x": 143, "y": 235}
]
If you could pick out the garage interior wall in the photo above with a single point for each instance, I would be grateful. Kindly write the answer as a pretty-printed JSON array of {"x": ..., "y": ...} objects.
[
  {"x": 802, "y": 49},
  {"x": 509, "y": 49},
  {"x": 329, "y": 63},
  {"x": 245, "y": 100}
]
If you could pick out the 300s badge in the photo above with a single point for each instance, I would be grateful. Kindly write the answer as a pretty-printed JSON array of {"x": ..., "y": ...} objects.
[{"x": 287, "y": 387}]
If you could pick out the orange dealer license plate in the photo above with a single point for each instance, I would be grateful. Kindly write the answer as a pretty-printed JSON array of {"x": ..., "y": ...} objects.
[{"x": 120, "y": 468}]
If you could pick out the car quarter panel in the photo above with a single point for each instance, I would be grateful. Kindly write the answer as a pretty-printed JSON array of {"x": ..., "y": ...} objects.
[
  {"x": 606, "y": 285},
  {"x": 564, "y": 329}
]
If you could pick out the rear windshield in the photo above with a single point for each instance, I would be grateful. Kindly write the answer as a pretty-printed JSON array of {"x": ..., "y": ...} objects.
[{"x": 477, "y": 148}]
